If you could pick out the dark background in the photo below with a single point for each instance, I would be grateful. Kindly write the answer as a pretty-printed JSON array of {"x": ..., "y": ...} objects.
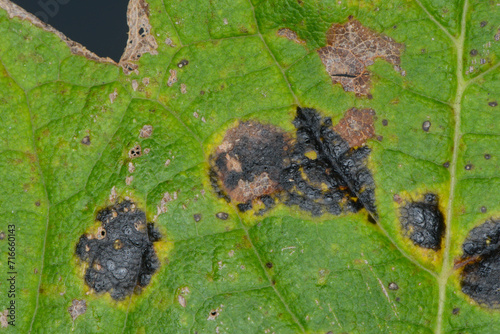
[{"x": 99, "y": 25}]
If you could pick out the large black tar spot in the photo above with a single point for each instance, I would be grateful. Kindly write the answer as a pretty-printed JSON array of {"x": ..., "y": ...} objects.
[
  {"x": 423, "y": 222},
  {"x": 319, "y": 171},
  {"x": 326, "y": 174},
  {"x": 480, "y": 278},
  {"x": 121, "y": 256}
]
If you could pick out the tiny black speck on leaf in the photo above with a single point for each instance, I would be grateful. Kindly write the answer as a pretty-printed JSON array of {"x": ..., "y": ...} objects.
[
  {"x": 468, "y": 167},
  {"x": 197, "y": 217},
  {"x": 385, "y": 122},
  {"x": 487, "y": 156},
  {"x": 483, "y": 24},
  {"x": 456, "y": 311},
  {"x": 269, "y": 265},
  {"x": 446, "y": 164},
  {"x": 37, "y": 203},
  {"x": 473, "y": 52},
  {"x": 86, "y": 140},
  {"x": 222, "y": 215},
  {"x": 183, "y": 63},
  {"x": 2, "y": 235},
  {"x": 484, "y": 209},
  {"x": 426, "y": 126},
  {"x": 493, "y": 103}
]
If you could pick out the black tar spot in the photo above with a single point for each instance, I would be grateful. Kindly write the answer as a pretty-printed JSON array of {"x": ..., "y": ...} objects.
[
  {"x": 493, "y": 104},
  {"x": 86, "y": 140},
  {"x": 426, "y": 126},
  {"x": 385, "y": 122},
  {"x": 319, "y": 172},
  {"x": 222, "y": 215},
  {"x": 423, "y": 222},
  {"x": 456, "y": 311},
  {"x": 484, "y": 209},
  {"x": 183, "y": 63},
  {"x": 197, "y": 217},
  {"x": 446, "y": 164},
  {"x": 487, "y": 156},
  {"x": 473, "y": 52},
  {"x": 337, "y": 180},
  {"x": 468, "y": 167},
  {"x": 122, "y": 256},
  {"x": 479, "y": 278}
]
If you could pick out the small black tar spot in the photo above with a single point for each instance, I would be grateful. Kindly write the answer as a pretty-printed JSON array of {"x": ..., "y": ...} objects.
[
  {"x": 423, "y": 222},
  {"x": 2, "y": 235},
  {"x": 398, "y": 299},
  {"x": 183, "y": 63},
  {"x": 446, "y": 164},
  {"x": 371, "y": 219},
  {"x": 423, "y": 51},
  {"x": 483, "y": 209},
  {"x": 37, "y": 203},
  {"x": 473, "y": 52},
  {"x": 487, "y": 156},
  {"x": 493, "y": 103},
  {"x": 385, "y": 122},
  {"x": 426, "y": 126},
  {"x": 269, "y": 265},
  {"x": 202, "y": 92},
  {"x": 86, "y": 140},
  {"x": 456, "y": 311},
  {"x": 222, "y": 215},
  {"x": 479, "y": 277},
  {"x": 393, "y": 286},
  {"x": 469, "y": 166},
  {"x": 197, "y": 217},
  {"x": 483, "y": 24},
  {"x": 121, "y": 256}
]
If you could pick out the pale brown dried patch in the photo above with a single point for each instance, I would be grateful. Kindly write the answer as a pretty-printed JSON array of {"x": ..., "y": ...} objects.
[
  {"x": 3, "y": 319},
  {"x": 291, "y": 35},
  {"x": 351, "y": 48},
  {"x": 77, "y": 308},
  {"x": 356, "y": 126},
  {"x": 146, "y": 131},
  {"x": 172, "y": 78},
  {"x": 140, "y": 40}
]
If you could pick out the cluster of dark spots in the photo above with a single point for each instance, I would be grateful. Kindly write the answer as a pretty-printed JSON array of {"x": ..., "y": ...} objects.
[
  {"x": 86, "y": 140},
  {"x": 121, "y": 255},
  {"x": 481, "y": 264},
  {"x": 183, "y": 63},
  {"x": 135, "y": 152},
  {"x": 493, "y": 103},
  {"x": 323, "y": 170},
  {"x": 423, "y": 222},
  {"x": 426, "y": 126}
]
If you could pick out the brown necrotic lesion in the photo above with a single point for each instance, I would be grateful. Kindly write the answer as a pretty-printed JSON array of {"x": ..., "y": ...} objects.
[
  {"x": 319, "y": 171},
  {"x": 351, "y": 47}
]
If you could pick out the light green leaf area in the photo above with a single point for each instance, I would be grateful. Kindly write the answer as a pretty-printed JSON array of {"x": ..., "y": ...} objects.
[{"x": 285, "y": 271}]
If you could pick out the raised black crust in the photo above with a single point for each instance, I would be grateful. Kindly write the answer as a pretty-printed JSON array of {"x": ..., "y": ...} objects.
[{"x": 124, "y": 257}]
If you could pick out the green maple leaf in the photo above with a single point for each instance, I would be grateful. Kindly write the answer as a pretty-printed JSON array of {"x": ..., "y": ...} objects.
[{"x": 69, "y": 123}]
